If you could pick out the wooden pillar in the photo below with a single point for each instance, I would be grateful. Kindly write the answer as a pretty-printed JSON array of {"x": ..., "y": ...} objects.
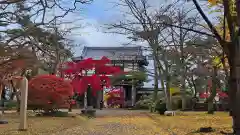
[{"x": 23, "y": 104}]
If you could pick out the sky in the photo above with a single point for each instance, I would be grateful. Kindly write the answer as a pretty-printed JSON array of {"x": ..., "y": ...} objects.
[
  {"x": 95, "y": 16},
  {"x": 92, "y": 17}
]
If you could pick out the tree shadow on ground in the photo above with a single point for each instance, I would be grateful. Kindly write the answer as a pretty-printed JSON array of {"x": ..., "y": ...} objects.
[{"x": 221, "y": 132}]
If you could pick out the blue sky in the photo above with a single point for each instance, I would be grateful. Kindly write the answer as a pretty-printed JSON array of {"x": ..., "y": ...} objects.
[
  {"x": 98, "y": 10},
  {"x": 94, "y": 16}
]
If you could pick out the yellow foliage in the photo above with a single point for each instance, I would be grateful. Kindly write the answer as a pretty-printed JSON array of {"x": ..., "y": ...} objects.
[
  {"x": 38, "y": 125},
  {"x": 174, "y": 90},
  {"x": 213, "y": 2},
  {"x": 218, "y": 8},
  {"x": 220, "y": 30},
  {"x": 105, "y": 97},
  {"x": 218, "y": 63},
  {"x": 154, "y": 124}
]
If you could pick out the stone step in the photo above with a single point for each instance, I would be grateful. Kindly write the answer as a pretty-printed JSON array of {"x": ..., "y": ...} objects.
[{"x": 169, "y": 113}]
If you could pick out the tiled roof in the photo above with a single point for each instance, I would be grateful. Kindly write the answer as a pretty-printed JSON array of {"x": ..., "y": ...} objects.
[{"x": 113, "y": 53}]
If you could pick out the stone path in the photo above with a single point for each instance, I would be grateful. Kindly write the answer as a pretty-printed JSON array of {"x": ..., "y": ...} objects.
[{"x": 117, "y": 122}]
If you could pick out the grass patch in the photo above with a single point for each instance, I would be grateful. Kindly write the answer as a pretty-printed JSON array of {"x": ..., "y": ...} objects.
[{"x": 38, "y": 125}]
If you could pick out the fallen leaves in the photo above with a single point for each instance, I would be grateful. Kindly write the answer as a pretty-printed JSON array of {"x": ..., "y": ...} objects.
[
  {"x": 190, "y": 122},
  {"x": 38, "y": 125},
  {"x": 186, "y": 123}
]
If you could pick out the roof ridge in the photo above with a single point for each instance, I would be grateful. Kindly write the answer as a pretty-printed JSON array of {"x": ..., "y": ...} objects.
[{"x": 112, "y": 47}]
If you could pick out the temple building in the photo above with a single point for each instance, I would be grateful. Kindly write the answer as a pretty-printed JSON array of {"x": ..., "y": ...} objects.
[{"x": 127, "y": 58}]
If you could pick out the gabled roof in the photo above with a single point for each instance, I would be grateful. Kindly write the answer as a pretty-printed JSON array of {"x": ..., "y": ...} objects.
[{"x": 113, "y": 53}]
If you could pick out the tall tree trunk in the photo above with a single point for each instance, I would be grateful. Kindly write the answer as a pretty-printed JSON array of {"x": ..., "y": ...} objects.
[
  {"x": 85, "y": 100},
  {"x": 194, "y": 86},
  {"x": 98, "y": 105},
  {"x": 234, "y": 62},
  {"x": 155, "y": 81},
  {"x": 162, "y": 85},
  {"x": 210, "y": 100},
  {"x": 232, "y": 100},
  {"x": 183, "y": 93},
  {"x": 183, "y": 89},
  {"x": 1, "y": 92},
  {"x": 70, "y": 107},
  {"x": 15, "y": 93},
  {"x": 3, "y": 98},
  {"x": 167, "y": 84},
  {"x": 89, "y": 97},
  {"x": 165, "y": 72},
  {"x": 166, "y": 75},
  {"x": 168, "y": 94},
  {"x": 234, "y": 82}
]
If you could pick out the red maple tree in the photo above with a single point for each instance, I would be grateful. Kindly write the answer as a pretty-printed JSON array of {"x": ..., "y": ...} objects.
[
  {"x": 49, "y": 92},
  {"x": 77, "y": 73}
]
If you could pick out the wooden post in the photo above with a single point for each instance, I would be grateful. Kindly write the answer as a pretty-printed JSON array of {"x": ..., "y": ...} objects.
[{"x": 23, "y": 104}]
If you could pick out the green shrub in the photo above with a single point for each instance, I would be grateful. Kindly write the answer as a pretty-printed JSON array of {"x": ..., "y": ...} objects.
[
  {"x": 10, "y": 104},
  {"x": 161, "y": 107},
  {"x": 143, "y": 104},
  {"x": 146, "y": 102}
]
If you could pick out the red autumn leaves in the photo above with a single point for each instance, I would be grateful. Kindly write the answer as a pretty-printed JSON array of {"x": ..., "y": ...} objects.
[
  {"x": 49, "y": 91},
  {"x": 81, "y": 79}
]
